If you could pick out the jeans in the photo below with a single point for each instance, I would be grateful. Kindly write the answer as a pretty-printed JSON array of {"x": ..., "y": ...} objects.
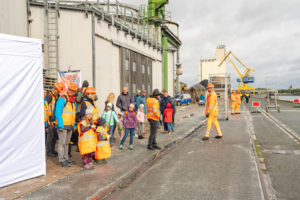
[
  {"x": 50, "y": 139},
  {"x": 131, "y": 130},
  {"x": 111, "y": 133},
  {"x": 64, "y": 138},
  {"x": 153, "y": 130},
  {"x": 170, "y": 127}
]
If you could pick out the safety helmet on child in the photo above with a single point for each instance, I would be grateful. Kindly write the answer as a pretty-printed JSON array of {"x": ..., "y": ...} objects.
[
  {"x": 210, "y": 85},
  {"x": 90, "y": 90},
  {"x": 73, "y": 87}
]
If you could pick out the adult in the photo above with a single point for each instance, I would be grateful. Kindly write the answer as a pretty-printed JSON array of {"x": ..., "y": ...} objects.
[
  {"x": 124, "y": 100},
  {"x": 80, "y": 94},
  {"x": 212, "y": 111},
  {"x": 51, "y": 98},
  {"x": 88, "y": 102},
  {"x": 138, "y": 93},
  {"x": 141, "y": 100},
  {"x": 163, "y": 105},
  {"x": 247, "y": 97},
  {"x": 110, "y": 99},
  {"x": 65, "y": 114},
  {"x": 153, "y": 115},
  {"x": 233, "y": 101}
]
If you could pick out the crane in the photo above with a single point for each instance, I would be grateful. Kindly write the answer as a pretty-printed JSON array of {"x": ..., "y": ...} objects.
[{"x": 245, "y": 77}]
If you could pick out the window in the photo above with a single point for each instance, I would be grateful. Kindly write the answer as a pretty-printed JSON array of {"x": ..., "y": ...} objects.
[
  {"x": 133, "y": 87},
  {"x": 143, "y": 87},
  {"x": 126, "y": 85},
  {"x": 149, "y": 70},
  {"x": 134, "y": 67},
  {"x": 143, "y": 69},
  {"x": 126, "y": 65}
]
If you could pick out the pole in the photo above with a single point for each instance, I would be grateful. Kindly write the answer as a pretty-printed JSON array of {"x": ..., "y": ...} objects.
[
  {"x": 93, "y": 49},
  {"x": 165, "y": 60}
]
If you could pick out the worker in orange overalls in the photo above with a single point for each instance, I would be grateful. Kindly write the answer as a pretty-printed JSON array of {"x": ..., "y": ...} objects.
[
  {"x": 212, "y": 111},
  {"x": 233, "y": 102},
  {"x": 238, "y": 103}
]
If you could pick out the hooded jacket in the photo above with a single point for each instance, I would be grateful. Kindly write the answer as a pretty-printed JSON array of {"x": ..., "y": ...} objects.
[{"x": 168, "y": 113}]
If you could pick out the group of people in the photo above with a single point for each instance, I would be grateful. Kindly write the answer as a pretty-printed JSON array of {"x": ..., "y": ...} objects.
[{"x": 73, "y": 117}]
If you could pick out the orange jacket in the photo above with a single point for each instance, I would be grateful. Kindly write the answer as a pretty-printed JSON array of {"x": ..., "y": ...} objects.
[
  {"x": 233, "y": 99},
  {"x": 238, "y": 99},
  {"x": 212, "y": 104},
  {"x": 153, "y": 111}
]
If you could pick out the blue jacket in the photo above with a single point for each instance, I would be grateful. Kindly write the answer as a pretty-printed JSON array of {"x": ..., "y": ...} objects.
[
  {"x": 141, "y": 100},
  {"x": 58, "y": 112},
  {"x": 163, "y": 104}
]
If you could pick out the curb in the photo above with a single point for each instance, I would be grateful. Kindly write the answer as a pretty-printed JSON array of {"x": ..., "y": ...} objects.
[{"x": 129, "y": 177}]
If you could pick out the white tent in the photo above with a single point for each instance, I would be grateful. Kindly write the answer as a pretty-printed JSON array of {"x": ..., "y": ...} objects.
[{"x": 22, "y": 135}]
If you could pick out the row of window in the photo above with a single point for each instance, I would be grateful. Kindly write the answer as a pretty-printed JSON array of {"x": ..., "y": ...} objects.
[
  {"x": 134, "y": 67},
  {"x": 144, "y": 87}
]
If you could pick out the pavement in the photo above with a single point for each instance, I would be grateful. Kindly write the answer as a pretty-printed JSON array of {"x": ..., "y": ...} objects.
[
  {"x": 75, "y": 183},
  {"x": 214, "y": 169}
]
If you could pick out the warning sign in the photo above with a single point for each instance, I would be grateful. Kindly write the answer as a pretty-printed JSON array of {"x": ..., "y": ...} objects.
[{"x": 256, "y": 104}]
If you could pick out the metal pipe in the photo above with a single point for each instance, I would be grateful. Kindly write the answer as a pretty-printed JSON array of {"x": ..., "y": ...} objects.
[{"x": 93, "y": 49}]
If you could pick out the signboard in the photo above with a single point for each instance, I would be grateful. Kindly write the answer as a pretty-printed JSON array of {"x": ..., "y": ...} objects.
[
  {"x": 296, "y": 100},
  {"x": 255, "y": 103},
  {"x": 67, "y": 77}
]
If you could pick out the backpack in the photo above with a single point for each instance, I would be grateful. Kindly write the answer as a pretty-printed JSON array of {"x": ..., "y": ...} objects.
[{"x": 126, "y": 113}]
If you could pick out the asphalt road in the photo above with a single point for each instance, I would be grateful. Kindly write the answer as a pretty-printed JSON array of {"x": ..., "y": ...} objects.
[{"x": 214, "y": 169}]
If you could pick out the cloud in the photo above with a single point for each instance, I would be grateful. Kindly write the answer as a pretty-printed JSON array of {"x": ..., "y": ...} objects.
[{"x": 265, "y": 35}]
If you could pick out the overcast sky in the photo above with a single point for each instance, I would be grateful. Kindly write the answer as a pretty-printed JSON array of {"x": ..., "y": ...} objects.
[{"x": 264, "y": 34}]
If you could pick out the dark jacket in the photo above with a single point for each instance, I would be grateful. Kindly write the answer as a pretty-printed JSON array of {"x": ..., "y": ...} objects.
[
  {"x": 123, "y": 101},
  {"x": 83, "y": 106},
  {"x": 163, "y": 103}
]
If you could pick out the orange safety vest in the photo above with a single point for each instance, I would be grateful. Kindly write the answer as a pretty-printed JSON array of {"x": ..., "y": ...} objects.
[
  {"x": 153, "y": 111},
  {"x": 94, "y": 108},
  {"x": 103, "y": 149},
  {"x": 212, "y": 104},
  {"x": 238, "y": 99},
  {"x": 86, "y": 140},
  {"x": 233, "y": 99},
  {"x": 69, "y": 112},
  {"x": 46, "y": 111},
  {"x": 52, "y": 104}
]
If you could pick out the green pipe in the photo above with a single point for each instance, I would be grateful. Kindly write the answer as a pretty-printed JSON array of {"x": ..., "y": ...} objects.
[{"x": 165, "y": 60}]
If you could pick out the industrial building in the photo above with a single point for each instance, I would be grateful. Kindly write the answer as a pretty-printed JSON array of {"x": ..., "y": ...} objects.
[
  {"x": 113, "y": 44},
  {"x": 210, "y": 66}
]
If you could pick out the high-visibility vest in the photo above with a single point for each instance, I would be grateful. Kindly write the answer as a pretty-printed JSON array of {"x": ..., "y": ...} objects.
[
  {"x": 153, "y": 111},
  {"x": 86, "y": 140},
  {"x": 69, "y": 112},
  {"x": 46, "y": 111},
  {"x": 247, "y": 95},
  {"x": 103, "y": 149},
  {"x": 52, "y": 104},
  {"x": 233, "y": 98},
  {"x": 238, "y": 99},
  {"x": 94, "y": 108},
  {"x": 212, "y": 104}
]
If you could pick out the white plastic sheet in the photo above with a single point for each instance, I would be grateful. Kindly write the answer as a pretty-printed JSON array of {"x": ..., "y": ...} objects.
[{"x": 22, "y": 135}]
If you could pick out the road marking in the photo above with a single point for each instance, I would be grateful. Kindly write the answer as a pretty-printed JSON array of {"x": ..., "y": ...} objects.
[{"x": 282, "y": 127}]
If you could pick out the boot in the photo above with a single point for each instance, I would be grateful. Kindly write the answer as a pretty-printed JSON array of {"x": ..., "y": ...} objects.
[
  {"x": 218, "y": 137},
  {"x": 150, "y": 147},
  {"x": 205, "y": 138}
]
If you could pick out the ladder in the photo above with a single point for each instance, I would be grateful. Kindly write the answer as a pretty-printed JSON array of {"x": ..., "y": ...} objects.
[{"x": 52, "y": 38}]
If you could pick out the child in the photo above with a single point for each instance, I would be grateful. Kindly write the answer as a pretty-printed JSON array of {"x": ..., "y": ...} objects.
[
  {"x": 86, "y": 139},
  {"x": 129, "y": 123},
  {"x": 140, "y": 119},
  {"x": 168, "y": 116},
  {"x": 103, "y": 150},
  {"x": 110, "y": 118},
  {"x": 120, "y": 130}
]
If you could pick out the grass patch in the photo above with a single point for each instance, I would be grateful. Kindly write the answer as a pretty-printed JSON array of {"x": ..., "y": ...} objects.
[
  {"x": 122, "y": 187},
  {"x": 257, "y": 148},
  {"x": 264, "y": 170}
]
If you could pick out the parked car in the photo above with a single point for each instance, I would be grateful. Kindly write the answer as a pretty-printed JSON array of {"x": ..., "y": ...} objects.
[
  {"x": 182, "y": 99},
  {"x": 201, "y": 102}
]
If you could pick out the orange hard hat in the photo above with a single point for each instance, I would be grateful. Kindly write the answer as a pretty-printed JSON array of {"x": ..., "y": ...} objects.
[
  {"x": 90, "y": 90},
  {"x": 73, "y": 86},
  {"x": 59, "y": 86},
  {"x": 233, "y": 91},
  {"x": 210, "y": 85}
]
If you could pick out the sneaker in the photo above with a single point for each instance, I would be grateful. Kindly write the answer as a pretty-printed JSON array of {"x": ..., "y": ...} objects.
[
  {"x": 165, "y": 132},
  {"x": 71, "y": 161},
  {"x": 64, "y": 164},
  {"x": 156, "y": 147},
  {"x": 87, "y": 166},
  {"x": 104, "y": 162},
  {"x": 141, "y": 137},
  {"x": 218, "y": 137},
  {"x": 130, "y": 147},
  {"x": 121, "y": 146},
  {"x": 91, "y": 165},
  {"x": 205, "y": 138},
  {"x": 173, "y": 133},
  {"x": 54, "y": 152}
]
